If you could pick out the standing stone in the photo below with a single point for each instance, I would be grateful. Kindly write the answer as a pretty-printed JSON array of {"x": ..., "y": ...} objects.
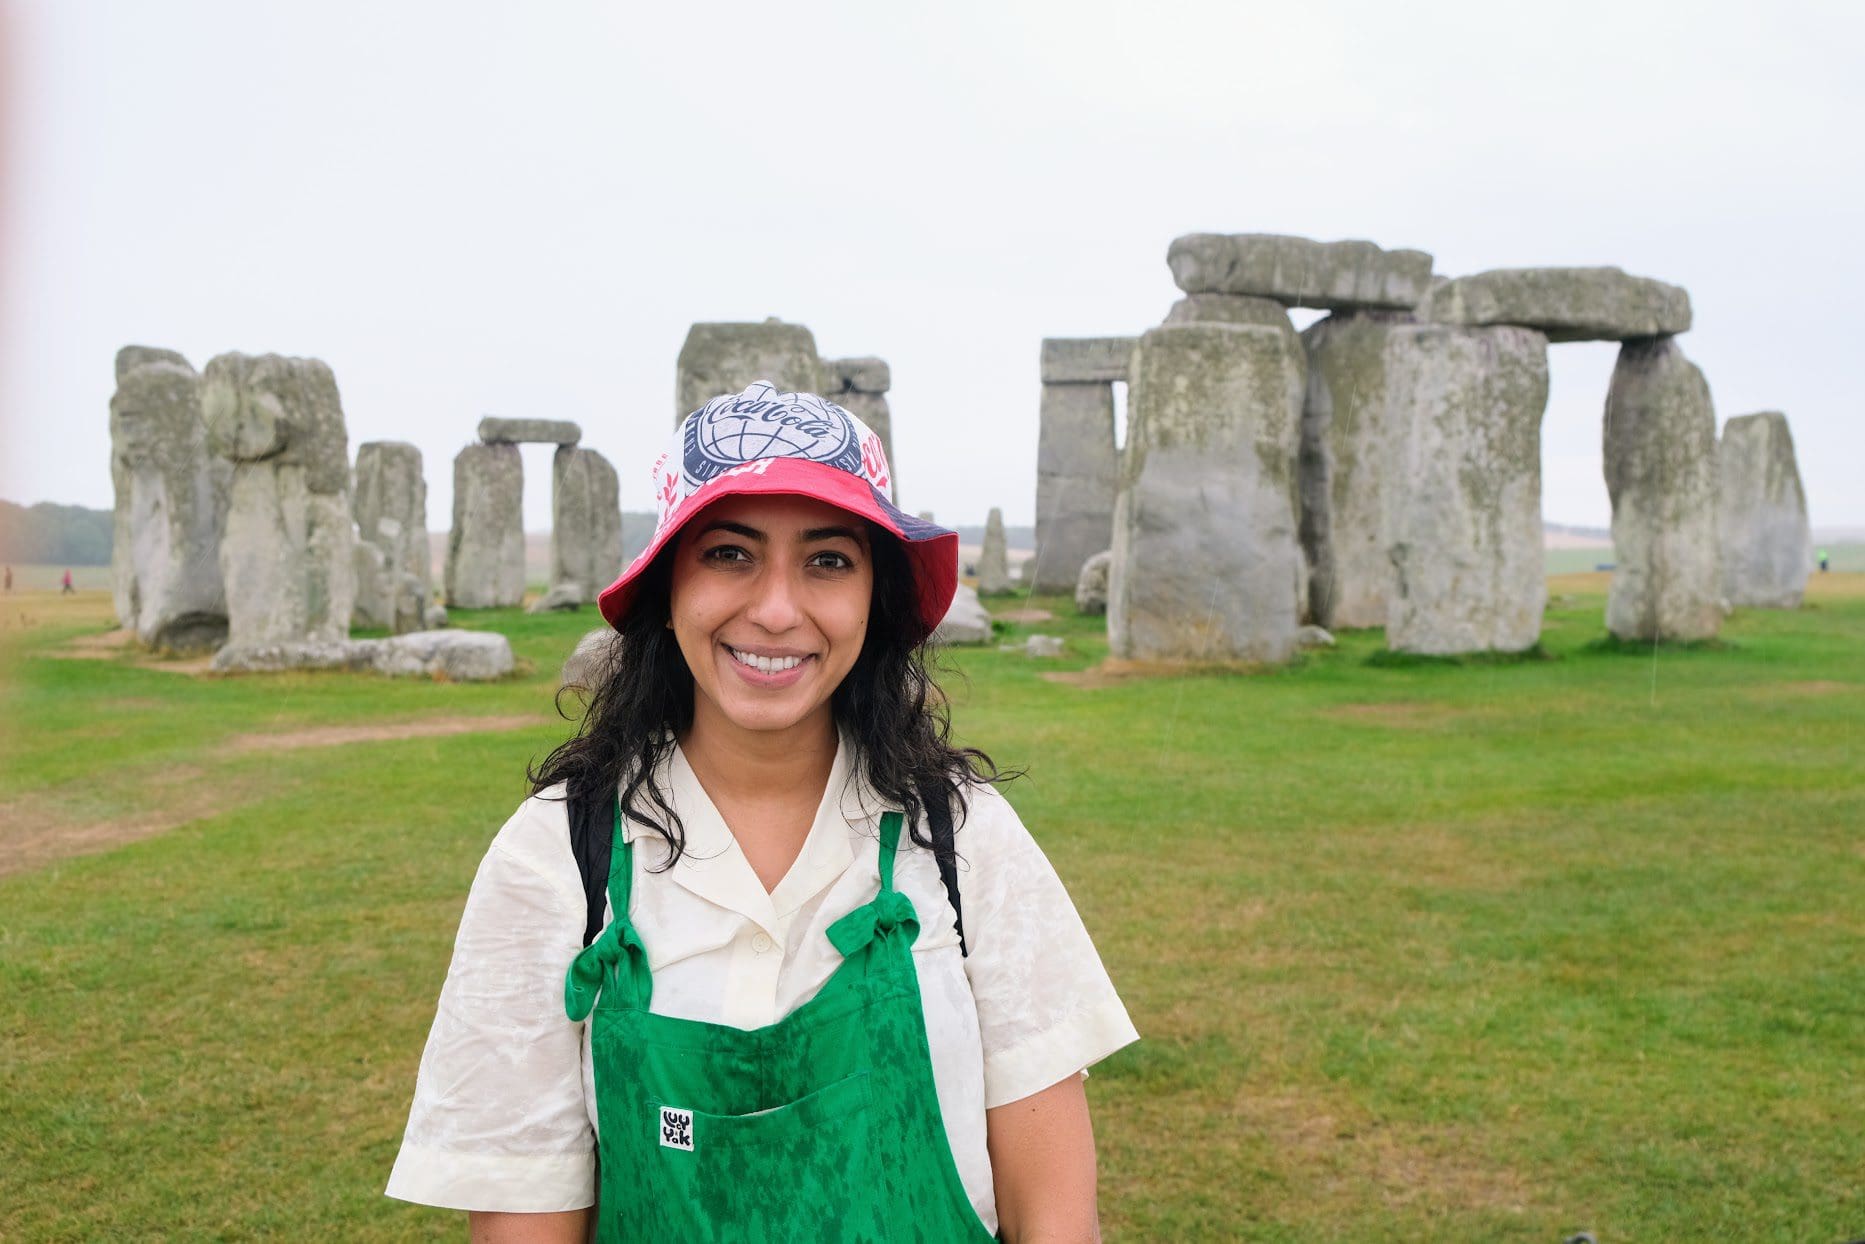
[
  {"x": 1091, "y": 586},
  {"x": 1464, "y": 512},
  {"x": 994, "y": 558},
  {"x": 288, "y": 553},
  {"x": 1662, "y": 476},
  {"x": 1300, "y": 272},
  {"x": 1205, "y": 560},
  {"x": 859, "y": 386},
  {"x": 729, "y": 358},
  {"x": 1347, "y": 456},
  {"x": 1767, "y": 546},
  {"x": 171, "y": 506},
  {"x": 1077, "y": 475},
  {"x": 586, "y": 521},
  {"x": 391, "y": 515},
  {"x": 486, "y": 548}
]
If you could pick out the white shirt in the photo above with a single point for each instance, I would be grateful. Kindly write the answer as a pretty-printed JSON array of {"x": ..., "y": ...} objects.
[{"x": 504, "y": 1114}]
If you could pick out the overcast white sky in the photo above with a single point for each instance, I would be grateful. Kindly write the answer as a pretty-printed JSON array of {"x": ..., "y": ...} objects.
[{"x": 474, "y": 208}]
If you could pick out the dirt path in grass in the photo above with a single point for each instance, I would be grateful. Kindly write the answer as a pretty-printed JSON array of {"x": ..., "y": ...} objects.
[{"x": 42, "y": 827}]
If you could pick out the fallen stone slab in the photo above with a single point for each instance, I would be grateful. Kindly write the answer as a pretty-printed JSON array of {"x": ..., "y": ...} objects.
[
  {"x": 496, "y": 431},
  {"x": 1083, "y": 360},
  {"x": 593, "y": 660},
  {"x": 563, "y": 596},
  {"x": 1300, "y": 272},
  {"x": 457, "y": 656},
  {"x": 1767, "y": 546},
  {"x": 1568, "y": 304},
  {"x": 966, "y": 620}
]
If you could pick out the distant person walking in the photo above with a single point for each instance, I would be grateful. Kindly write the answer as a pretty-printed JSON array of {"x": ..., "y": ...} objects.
[
  {"x": 1825, "y": 565},
  {"x": 65, "y": 588},
  {"x": 9, "y": 578}
]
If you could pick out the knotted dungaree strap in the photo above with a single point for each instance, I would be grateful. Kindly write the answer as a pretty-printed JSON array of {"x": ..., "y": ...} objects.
[
  {"x": 890, "y": 909},
  {"x": 616, "y": 959}
]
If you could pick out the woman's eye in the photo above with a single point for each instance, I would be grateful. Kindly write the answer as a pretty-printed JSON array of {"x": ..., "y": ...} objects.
[
  {"x": 726, "y": 553},
  {"x": 833, "y": 561}
]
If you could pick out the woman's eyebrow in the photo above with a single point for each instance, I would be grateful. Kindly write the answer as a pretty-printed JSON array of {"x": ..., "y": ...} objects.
[
  {"x": 737, "y": 529},
  {"x": 832, "y": 533}
]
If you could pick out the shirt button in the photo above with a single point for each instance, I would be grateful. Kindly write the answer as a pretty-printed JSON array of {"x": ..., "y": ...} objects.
[{"x": 762, "y": 942}]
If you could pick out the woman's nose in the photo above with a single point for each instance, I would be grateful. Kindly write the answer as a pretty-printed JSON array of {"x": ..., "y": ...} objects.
[{"x": 775, "y": 606}]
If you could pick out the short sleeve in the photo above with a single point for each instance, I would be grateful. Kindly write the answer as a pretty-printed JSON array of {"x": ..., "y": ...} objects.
[
  {"x": 1046, "y": 1008},
  {"x": 499, "y": 1121}
]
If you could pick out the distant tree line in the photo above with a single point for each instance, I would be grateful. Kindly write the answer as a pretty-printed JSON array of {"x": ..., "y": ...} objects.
[{"x": 54, "y": 535}]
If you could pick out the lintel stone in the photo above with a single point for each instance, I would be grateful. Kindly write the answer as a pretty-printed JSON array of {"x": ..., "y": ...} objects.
[
  {"x": 496, "y": 431},
  {"x": 1086, "y": 360},
  {"x": 1300, "y": 272}
]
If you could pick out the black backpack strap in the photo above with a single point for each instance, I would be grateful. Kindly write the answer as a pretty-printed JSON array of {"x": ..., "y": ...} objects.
[
  {"x": 592, "y": 836},
  {"x": 945, "y": 852}
]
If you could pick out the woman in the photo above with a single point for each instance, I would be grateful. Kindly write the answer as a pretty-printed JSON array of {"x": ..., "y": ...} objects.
[{"x": 784, "y": 1029}]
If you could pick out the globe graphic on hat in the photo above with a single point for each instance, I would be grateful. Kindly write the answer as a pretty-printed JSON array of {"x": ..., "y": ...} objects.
[
  {"x": 760, "y": 423},
  {"x": 744, "y": 438}
]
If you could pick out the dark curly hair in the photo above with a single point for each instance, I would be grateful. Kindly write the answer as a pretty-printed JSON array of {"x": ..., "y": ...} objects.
[{"x": 889, "y": 705}]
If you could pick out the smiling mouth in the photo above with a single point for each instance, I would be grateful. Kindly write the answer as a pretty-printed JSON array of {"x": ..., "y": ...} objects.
[{"x": 764, "y": 665}]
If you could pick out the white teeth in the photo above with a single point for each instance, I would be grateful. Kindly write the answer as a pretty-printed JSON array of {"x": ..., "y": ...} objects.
[{"x": 765, "y": 665}]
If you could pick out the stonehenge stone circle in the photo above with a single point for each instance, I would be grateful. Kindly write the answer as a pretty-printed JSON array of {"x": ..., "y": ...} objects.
[
  {"x": 390, "y": 502},
  {"x": 172, "y": 496},
  {"x": 586, "y": 521},
  {"x": 859, "y": 386},
  {"x": 1568, "y": 304},
  {"x": 1091, "y": 584},
  {"x": 1346, "y": 464},
  {"x": 994, "y": 559},
  {"x": 1662, "y": 477},
  {"x": 1766, "y": 544},
  {"x": 1205, "y": 560},
  {"x": 727, "y": 358},
  {"x": 1077, "y": 475},
  {"x": 1299, "y": 272},
  {"x": 486, "y": 547},
  {"x": 287, "y": 553},
  {"x": 1464, "y": 522},
  {"x": 496, "y": 431},
  {"x": 1086, "y": 360}
]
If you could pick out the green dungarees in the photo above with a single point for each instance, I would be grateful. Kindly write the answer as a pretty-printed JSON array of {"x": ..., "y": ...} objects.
[{"x": 823, "y": 1126}]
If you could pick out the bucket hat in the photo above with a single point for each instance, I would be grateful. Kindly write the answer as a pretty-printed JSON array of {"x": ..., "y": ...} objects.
[{"x": 761, "y": 442}]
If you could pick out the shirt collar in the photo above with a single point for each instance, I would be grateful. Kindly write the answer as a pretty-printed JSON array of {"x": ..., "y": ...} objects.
[{"x": 715, "y": 868}]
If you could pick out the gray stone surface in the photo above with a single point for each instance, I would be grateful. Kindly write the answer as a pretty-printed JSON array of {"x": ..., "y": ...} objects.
[
  {"x": 727, "y": 358},
  {"x": 1568, "y": 304},
  {"x": 1228, "y": 309},
  {"x": 1347, "y": 458},
  {"x": 390, "y": 502},
  {"x": 586, "y": 521},
  {"x": 1205, "y": 561},
  {"x": 1662, "y": 476},
  {"x": 966, "y": 620},
  {"x": 453, "y": 656},
  {"x": 287, "y": 557},
  {"x": 374, "y": 603},
  {"x": 1077, "y": 475},
  {"x": 1086, "y": 360},
  {"x": 1091, "y": 584},
  {"x": 1312, "y": 636},
  {"x": 1044, "y": 646},
  {"x": 857, "y": 375},
  {"x": 1464, "y": 514},
  {"x": 562, "y": 596},
  {"x": 486, "y": 547},
  {"x": 994, "y": 558},
  {"x": 496, "y": 431},
  {"x": 1299, "y": 272},
  {"x": 171, "y": 506},
  {"x": 592, "y": 662},
  {"x": 1767, "y": 546}
]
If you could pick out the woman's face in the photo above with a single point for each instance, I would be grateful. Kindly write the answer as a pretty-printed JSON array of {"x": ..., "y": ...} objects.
[{"x": 769, "y": 605}]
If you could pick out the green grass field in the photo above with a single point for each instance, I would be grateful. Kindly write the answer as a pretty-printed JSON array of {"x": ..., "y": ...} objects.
[{"x": 1419, "y": 950}]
